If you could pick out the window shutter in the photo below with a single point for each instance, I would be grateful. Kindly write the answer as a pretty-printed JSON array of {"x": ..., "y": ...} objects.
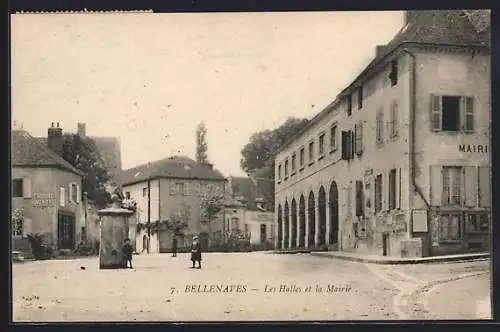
[
  {"x": 471, "y": 186},
  {"x": 345, "y": 145},
  {"x": 436, "y": 107},
  {"x": 78, "y": 193},
  {"x": 186, "y": 189},
  {"x": 436, "y": 184},
  {"x": 359, "y": 198},
  {"x": 385, "y": 191},
  {"x": 62, "y": 196},
  {"x": 26, "y": 187},
  {"x": 172, "y": 188},
  {"x": 484, "y": 186},
  {"x": 27, "y": 226},
  {"x": 467, "y": 104},
  {"x": 395, "y": 120},
  {"x": 398, "y": 188}
]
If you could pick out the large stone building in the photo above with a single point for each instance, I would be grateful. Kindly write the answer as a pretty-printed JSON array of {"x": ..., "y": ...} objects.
[
  {"x": 399, "y": 163},
  {"x": 246, "y": 211},
  {"x": 170, "y": 186},
  {"x": 47, "y": 191}
]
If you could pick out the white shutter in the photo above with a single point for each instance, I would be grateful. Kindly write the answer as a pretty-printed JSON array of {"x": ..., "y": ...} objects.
[
  {"x": 62, "y": 196},
  {"x": 436, "y": 184},
  {"x": 467, "y": 114},
  {"x": 26, "y": 187},
  {"x": 436, "y": 113},
  {"x": 471, "y": 186},
  {"x": 27, "y": 226},
  {"x": 78, "y": 193}
]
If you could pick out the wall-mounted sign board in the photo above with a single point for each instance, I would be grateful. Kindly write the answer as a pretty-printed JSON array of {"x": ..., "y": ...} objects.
[{"x": 419, "y": 221}]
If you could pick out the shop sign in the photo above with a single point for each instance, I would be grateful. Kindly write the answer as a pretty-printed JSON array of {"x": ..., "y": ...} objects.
[
  {"x": 419, "y": 218},
  {"x": 44, "y": 200},
  {"x": 473, "y": 148}
]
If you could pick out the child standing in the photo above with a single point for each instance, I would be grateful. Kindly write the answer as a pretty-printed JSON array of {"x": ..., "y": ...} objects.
[
  {"x": 196, "y": 252},
  {"x": 127, "y": 254}
]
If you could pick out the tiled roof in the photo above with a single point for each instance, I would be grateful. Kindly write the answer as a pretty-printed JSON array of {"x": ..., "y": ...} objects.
[
  {"x": 443, "y": 27},
  {"x": 172, "y": 167},
  {"x": 28, "y": 151},
  {"x": 107, "y": 149}
]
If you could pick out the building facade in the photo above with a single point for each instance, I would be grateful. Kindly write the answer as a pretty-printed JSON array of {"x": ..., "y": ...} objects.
[
  {"x": 246, "y": 211},
  {"x": 46, "y": 190},
  {"x": 399, "y": 163},
  {"x": 169, "y": 187}
]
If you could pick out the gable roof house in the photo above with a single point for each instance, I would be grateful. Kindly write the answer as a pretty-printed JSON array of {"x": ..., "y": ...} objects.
[
  {"x": 47, "y": 189},
  {"x": 168, "y": 187}
]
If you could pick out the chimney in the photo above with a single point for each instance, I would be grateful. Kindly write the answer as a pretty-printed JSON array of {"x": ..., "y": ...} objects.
[
  {"x": 209, "y": 165},
  {"x": 55, "y": 139},
  {"x": 81, "y": 129}
]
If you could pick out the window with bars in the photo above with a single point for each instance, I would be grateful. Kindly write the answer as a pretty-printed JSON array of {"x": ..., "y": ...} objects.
[
  {"x": 321, "y": 144},
  {"x": 394, "y": 121},
  {"x": 333, "y": 137},
  {"x": 380, "y": 127},
  {"x": 452, "y": 113},
  {"x": 478, "y": 223},
  {"x": 378, "y": 193},
  {"x": 452, "y": 185}
]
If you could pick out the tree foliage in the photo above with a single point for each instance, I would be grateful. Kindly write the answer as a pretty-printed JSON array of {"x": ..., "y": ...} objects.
[
  {"x": 201, "y": 143},
  {"x": 211, "y": 205},
  {"x": 81, "y": 153},
  {"x": 258, "y": 155}
]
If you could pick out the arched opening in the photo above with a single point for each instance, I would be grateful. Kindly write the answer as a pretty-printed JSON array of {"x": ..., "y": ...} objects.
[
  {"x": 334, "y": 213},
  {"x": 322, "y": 216},
  {"x": 280, "y": 227},
  {"x": 286, "y": 224},
  {"x": 311, "y": 210},
  {"x": 294, "y": 224},
  {"x": 302, "y": 221}
]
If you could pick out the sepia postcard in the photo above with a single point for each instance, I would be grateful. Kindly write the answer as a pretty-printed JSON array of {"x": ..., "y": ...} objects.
[{"x": 251, "y": 166}]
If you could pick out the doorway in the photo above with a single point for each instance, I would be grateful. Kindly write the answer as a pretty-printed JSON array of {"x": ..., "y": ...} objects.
[{"x": 66, "y": 230}]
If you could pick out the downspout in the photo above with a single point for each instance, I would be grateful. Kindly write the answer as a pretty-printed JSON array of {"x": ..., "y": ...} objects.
[{"x": 412, "y": 129}]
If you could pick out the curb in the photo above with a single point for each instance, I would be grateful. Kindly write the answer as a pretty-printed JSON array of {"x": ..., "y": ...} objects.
[{"x": 396, "y": 261}]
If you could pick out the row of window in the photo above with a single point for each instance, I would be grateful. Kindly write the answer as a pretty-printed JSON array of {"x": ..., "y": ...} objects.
[
  {"x": 186, "y": 189},
  {"x": 448, "y": 114},
  {"x": 22, "y": 188}
]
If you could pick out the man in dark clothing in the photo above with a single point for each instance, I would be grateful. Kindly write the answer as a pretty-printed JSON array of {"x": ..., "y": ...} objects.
[
  {"x": 174, "y": 247},
  {"x": 196, "y": 252},
  {"x": 127, "y": 254}
]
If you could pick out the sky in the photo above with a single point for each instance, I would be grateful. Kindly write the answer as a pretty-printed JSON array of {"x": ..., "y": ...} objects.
[{"x": 149, "y": 79}]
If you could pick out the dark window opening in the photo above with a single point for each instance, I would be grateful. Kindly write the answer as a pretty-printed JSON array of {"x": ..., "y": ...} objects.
[
  {"x": 392, "y": 189},
  {"x": 451, "y": 113},
  {"x": 394, "y": 73},
  {"x": 349, "y": 105},
  {"x": 360, "y": 97},
  {"x": 17, "y": 188}
]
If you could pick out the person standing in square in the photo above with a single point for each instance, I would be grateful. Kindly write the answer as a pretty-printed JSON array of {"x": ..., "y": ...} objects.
[{"x": 196, "y": 252}]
